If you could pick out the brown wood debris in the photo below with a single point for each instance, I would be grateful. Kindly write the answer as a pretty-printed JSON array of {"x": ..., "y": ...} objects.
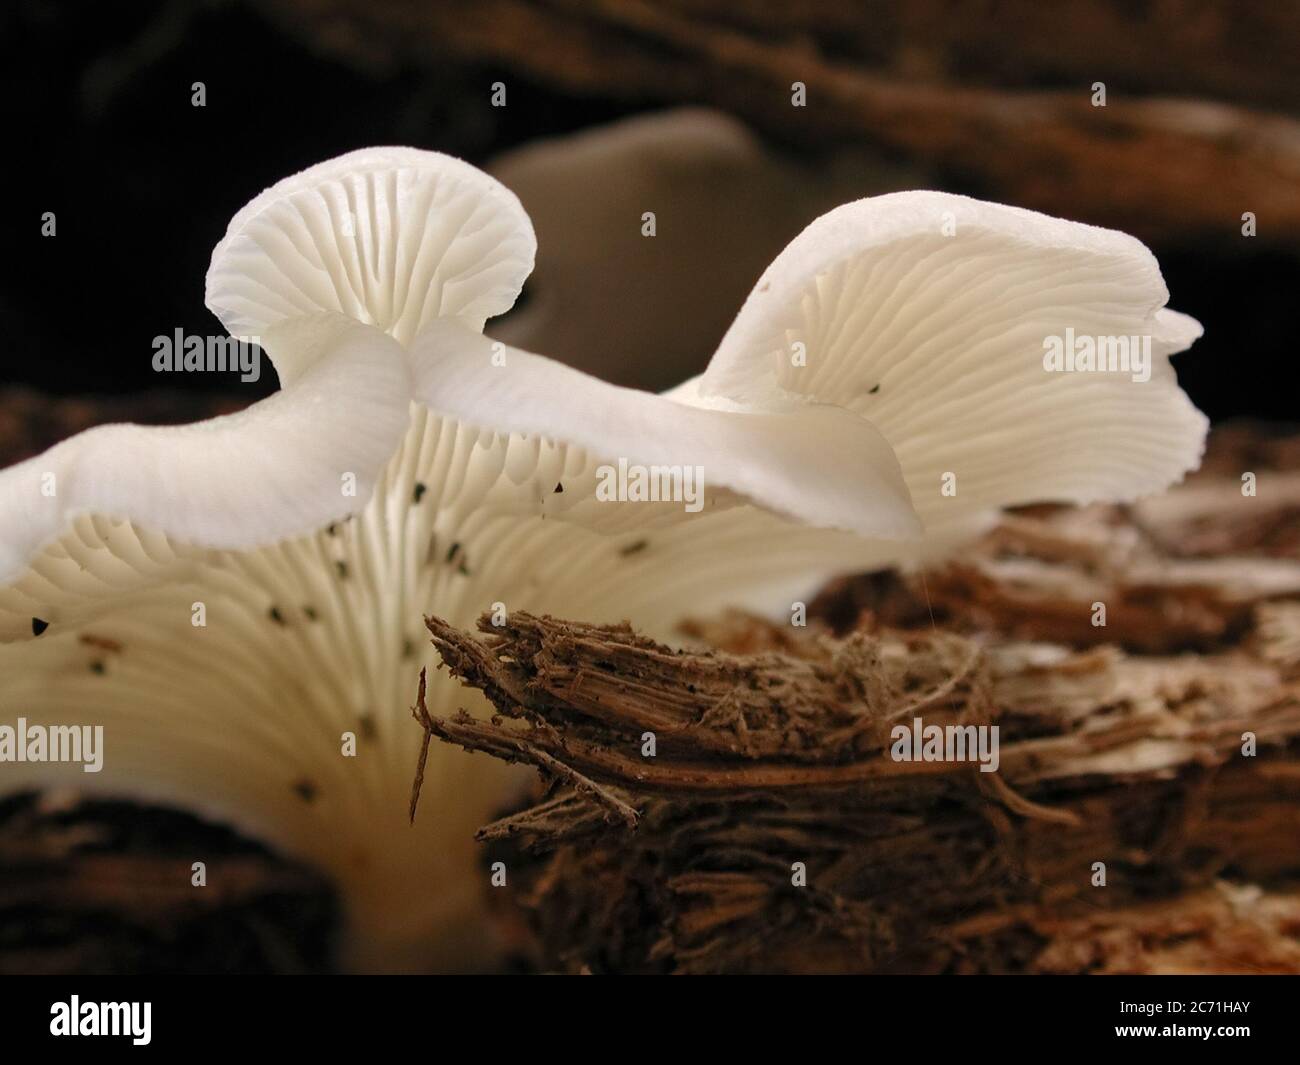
[
  {"x": 1165, "y": 745},
  {"x": 956, "y": 94},
  {"x": 103, "y": 887}
]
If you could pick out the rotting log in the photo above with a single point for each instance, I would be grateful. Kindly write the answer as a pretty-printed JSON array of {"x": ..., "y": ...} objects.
[{"x": 1164, "y": 744}]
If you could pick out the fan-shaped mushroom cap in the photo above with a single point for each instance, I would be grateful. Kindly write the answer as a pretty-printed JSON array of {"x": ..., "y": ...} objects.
[
  {"x": 393, "y": 237},
  {"x": 923, "y": 316},
  {"x": 318, "y": 268},
  {"x": 926, "y": 313},
  {"x": 229, "y": 599}
]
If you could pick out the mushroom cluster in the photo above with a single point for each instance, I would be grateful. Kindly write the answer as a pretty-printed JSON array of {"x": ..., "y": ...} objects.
[{"x": 239, "y": 602}]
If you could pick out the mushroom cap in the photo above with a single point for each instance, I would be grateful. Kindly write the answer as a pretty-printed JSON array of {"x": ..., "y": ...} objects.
[
  {"x": 393, "y": 237},
  {"x": 811, "y": 462},
  {"x": 294, "y": 462},
  {"x": 927, "y": 313},
  {"x": 317, "y": 268},
  {"x": 896, "y": 341}
]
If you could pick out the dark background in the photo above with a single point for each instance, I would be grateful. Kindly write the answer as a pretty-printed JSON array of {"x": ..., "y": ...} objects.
[{"x": 100, "y": 129}]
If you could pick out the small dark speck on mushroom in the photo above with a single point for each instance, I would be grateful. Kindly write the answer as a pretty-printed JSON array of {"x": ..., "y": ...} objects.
[
  {"x": 97, "y": 668},
  {"x": 366, "y": 726},
  {"x": 332, "y": 528},
  {"x": 634, "y": 548},
  {"x": 343, "y": 569},
  {"x": 408, "y": 648},
  {"x": 463, "y": 567},
  {"x": 305, "y": 790},
  {"x": 39, "y": 625},
  {"x": 275, "y": 615},
  {"x": 873, "y": 390},
  {"x": 420, "y": 489},
  {"x": 558, "y": 488},
  {"x": 310, "y": 611}
]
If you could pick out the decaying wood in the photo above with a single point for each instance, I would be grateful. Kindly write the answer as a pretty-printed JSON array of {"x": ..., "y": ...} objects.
[
  {"x": 1179, "y": 771},
  {"x": 1187, "y": 48},
  {"x": 914, "y": 88},
  {"x": 1224, "y": 929},
  {"x": 94, "y": 888}
]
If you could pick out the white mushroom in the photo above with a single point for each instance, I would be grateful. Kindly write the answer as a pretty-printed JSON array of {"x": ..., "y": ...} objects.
[{"x": 369, "y": 279}]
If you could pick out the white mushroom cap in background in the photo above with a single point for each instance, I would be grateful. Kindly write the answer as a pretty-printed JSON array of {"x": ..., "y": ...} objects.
[
  {"x": 487, "y": 496},
  {"x": 648, "y": 312}
]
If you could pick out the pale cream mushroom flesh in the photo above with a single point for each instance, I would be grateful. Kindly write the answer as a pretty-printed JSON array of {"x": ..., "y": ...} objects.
[
  {"x": 410, "y": 466},
  {"x": 645, "y": 312}
]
